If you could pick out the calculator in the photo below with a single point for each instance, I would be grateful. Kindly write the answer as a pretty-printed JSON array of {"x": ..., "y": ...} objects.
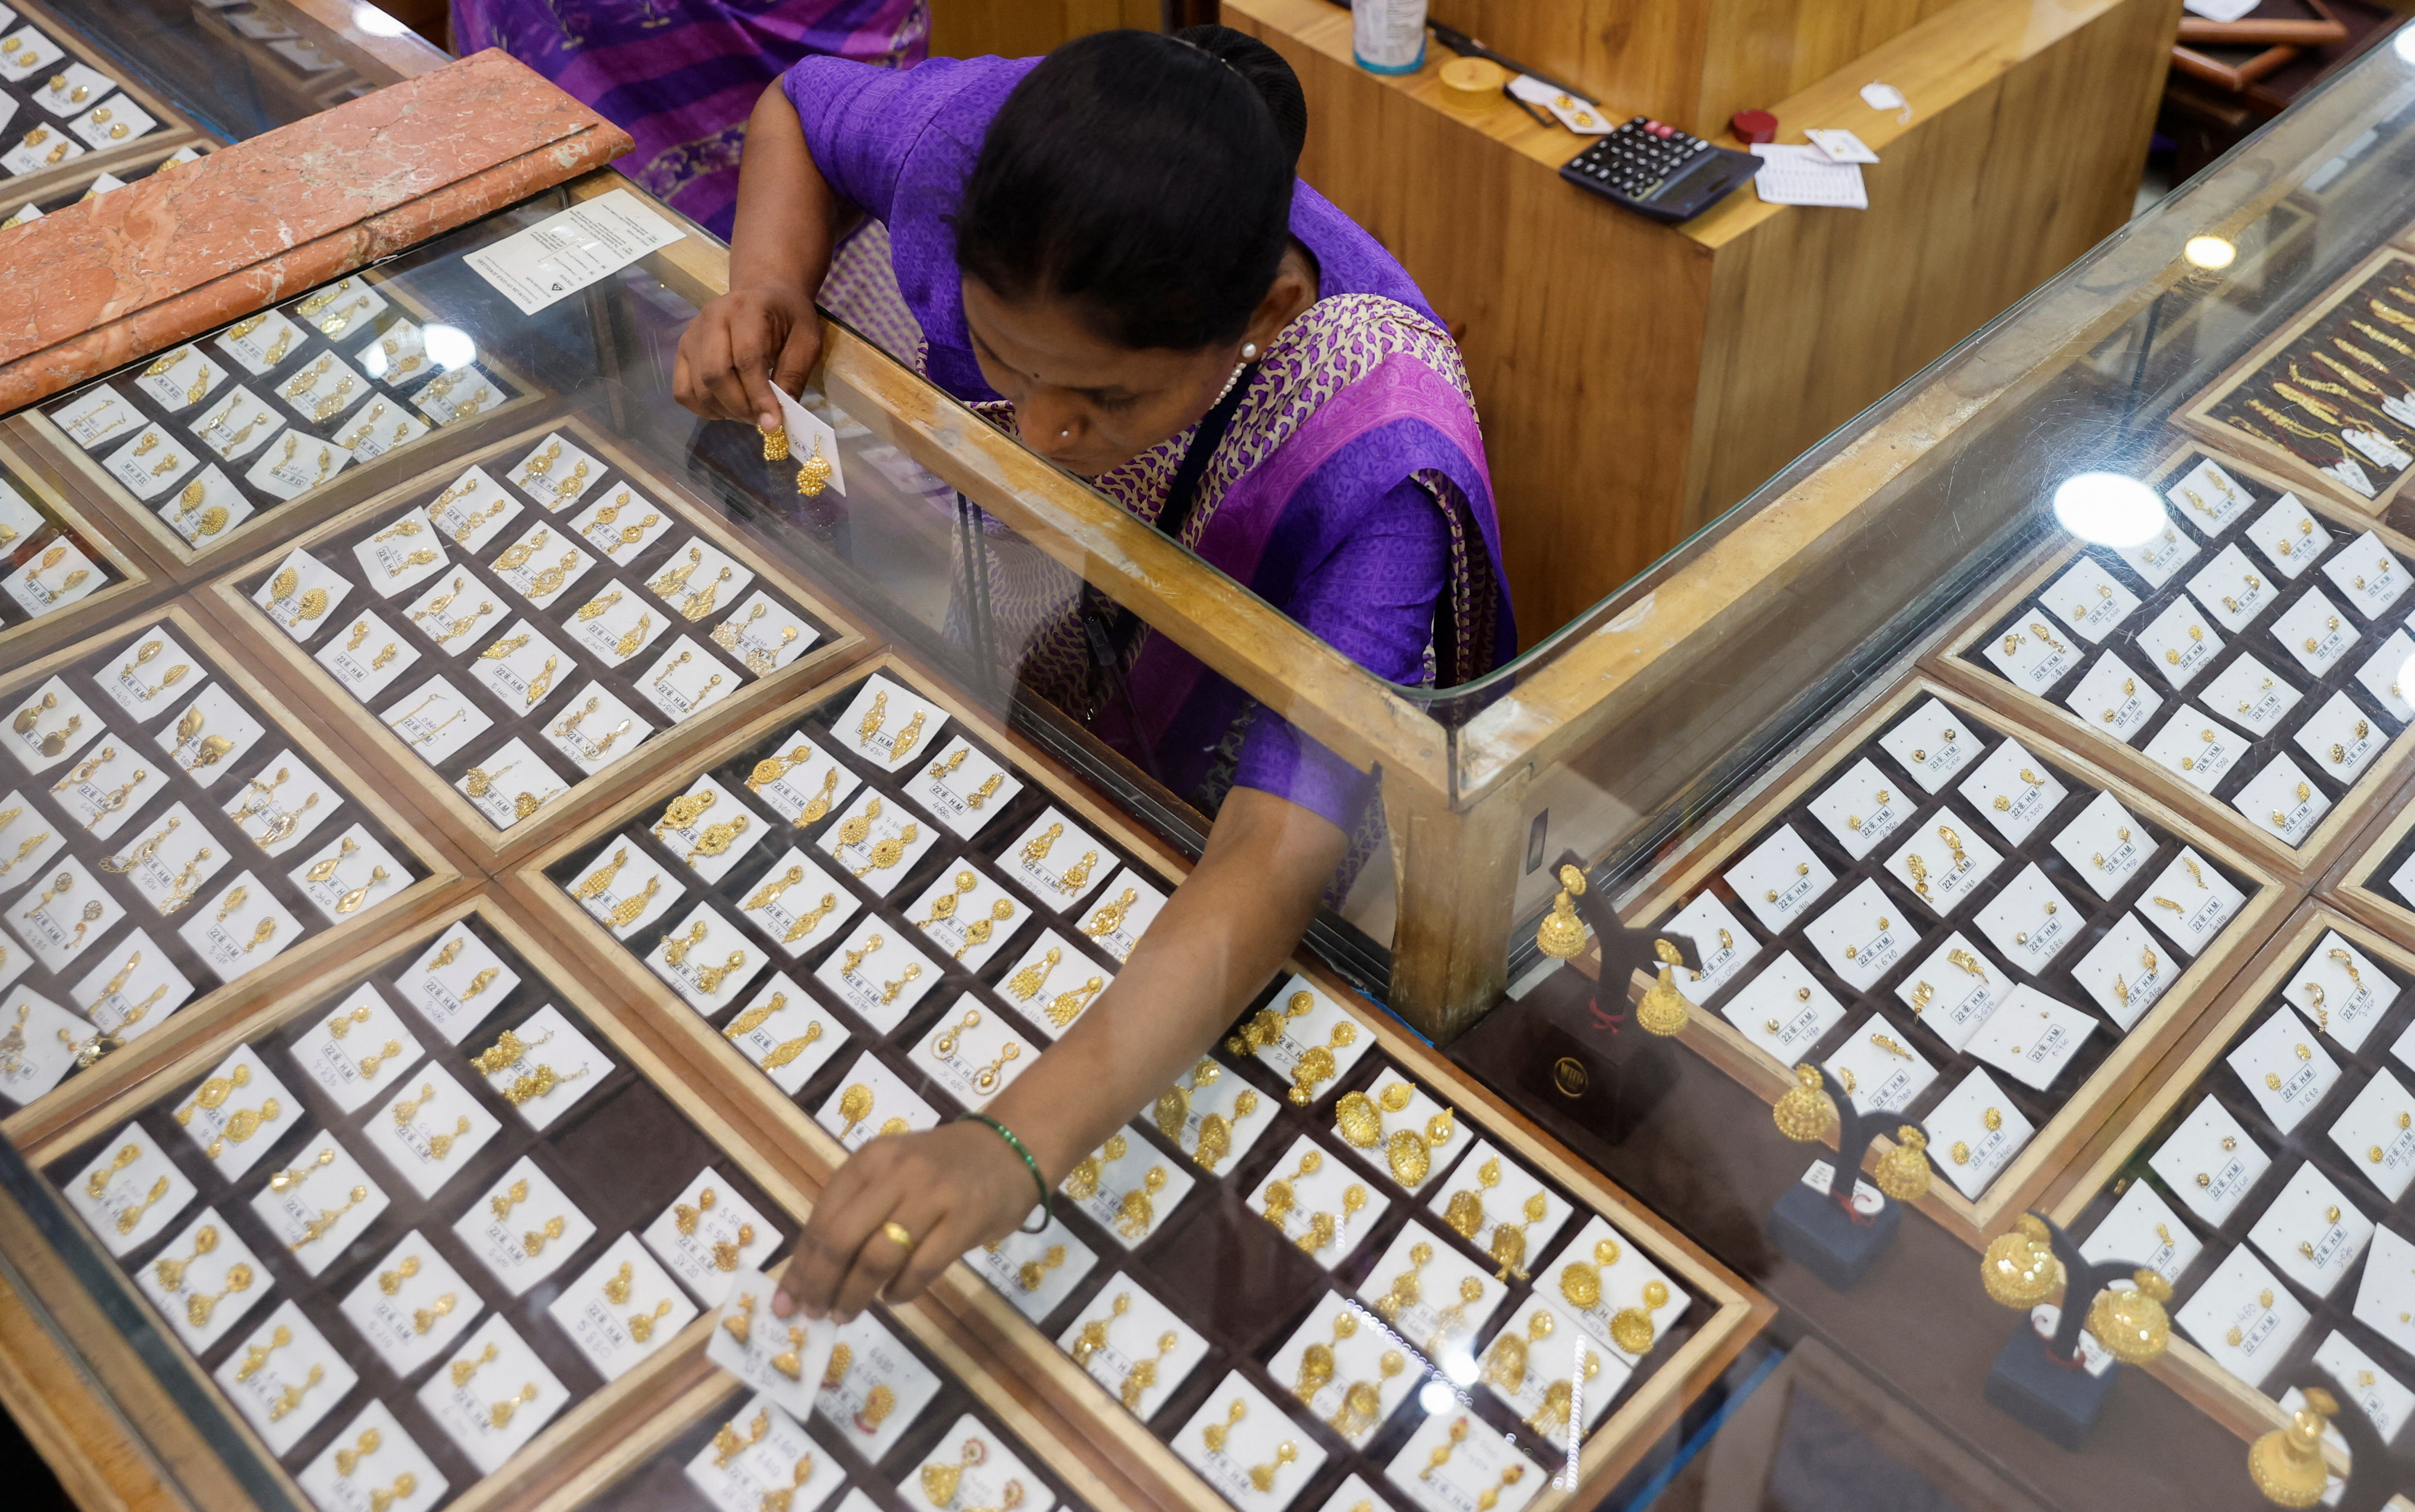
[{"x": 1655, "y": 169}]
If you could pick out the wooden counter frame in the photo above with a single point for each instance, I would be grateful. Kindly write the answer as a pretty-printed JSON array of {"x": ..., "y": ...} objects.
[
  {"x": 621, "y": 978},
  {"x": 2358, "y": 882},
  {"x": 666, "y": 747},
  {"x": 2330, "y": 837},
  {"x": 230, "y": 1003},
  {"x": 2148, "y": 1041}
]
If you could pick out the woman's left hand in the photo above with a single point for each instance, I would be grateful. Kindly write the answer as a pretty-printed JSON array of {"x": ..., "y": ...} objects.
[{"x": 949, "y": 1191}]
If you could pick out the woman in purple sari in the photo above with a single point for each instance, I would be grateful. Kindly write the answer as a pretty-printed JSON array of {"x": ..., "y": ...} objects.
[
  {"x": 1108, "y": 248},
  {"x": 680, "y": 76}
]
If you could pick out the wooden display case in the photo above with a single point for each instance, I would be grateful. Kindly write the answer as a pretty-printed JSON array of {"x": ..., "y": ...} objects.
[
  {"x": 130, "y": 1061},
  {"x": 2116, "y": 1160},
  {"x": 60, "y": 523},
  {"x": 1962, "y": 661},
  {"x": 837, "y": 639},
  {"x": 2071, "y": 1116},
  {"x": 1724, "y": 1314},
  {"x": 171, "y": 131}
]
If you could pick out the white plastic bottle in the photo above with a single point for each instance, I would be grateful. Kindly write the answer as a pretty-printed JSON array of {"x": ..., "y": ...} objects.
[{"x": 1389, "y": 36}]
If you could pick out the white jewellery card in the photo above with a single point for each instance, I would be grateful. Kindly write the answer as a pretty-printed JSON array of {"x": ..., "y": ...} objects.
[
  {"x": 1861, "y": 807},
  {"x": 2244, "y": 1317},
  {"x": 1053, "y": 982},
  {"x": 523, "y": 1228},
  {"x": 2013, "y": 790},
  {"x": 2339, "y": 739},
  {"x": 2251, "y": 695},
  {"x": 300, "y": 593},
  {"x": 967, "y": 914},
  {"x": 1036, "y": 1272},
  {"x": 878, "y": 973},
  {"x": 1861, "y": 936},
  {"x": 2384, "y": 676},
  {"x": 413, "y": 1305},
  {"x": 2196, "y": 747},
  {"x": 799, "y": 902},
  {"x": 2088, "y": 600},
  {"x": 1057, "y": 861},
  {"x": 284, "y": 1377},
  {"x": 803, "y": 782},
  {"x": 597, "y": 728},
  {"x": 2364, "y": 573},
  {"x": 873, "y": 1102},
  {"x": 204, "y": 1281},
  {"x": 707, "y": 828},
  {"x": 540, "y": 566},
  {"x": 457, "y": 981},
  {"x": 785, "y": 1033},
  {"x": 556, "y": 471},
  {"x": 1134, "y": 1345},
  {"x": 2385, "y": 1298},
  {"x": 1975, "y": 1133},
  {"x": 1933, "y": 742},
  {"x": 2032, "y": 1037},
  {"x": 622, "y": 1309},
  {"x": 494, "y": 1394},
  {"x": 710, "y": 1234},
  {"x": 1324, "y": 1207},
  {"x": 2282, "y": 801},
  {"x": 371, "y": 1456},
  {"x": 429, "y": 1130},
  {"x": 2112, "y": 696},
  {"x": 2210, "y": 1161},
  {"x": 1476, "y": 1463},
  {"x": 973, "y": 1056},
  {"x": 620, "y": 523},
  {"x": 368, "y": 657},
  {"x": 2311, "y": 1233},
  {"x": 2384, "y": 1400},
  {"x": 2233, "y": 590},
  {"x": 1784, "y": 1010},
  {"x": 2030, "y": 922},
  {"x": 887, "y": 724},
  {"x": 1721, "y": 943},
  {"x": 2161, "y": 556},
  {"x": 2190, "y": 902},
  {"x": 1954, "y": 990},
  {"x": 133, "y": 994},
  {"x": 966, "y": 787},
  {"x": 2142, "y": 1230},
  {"x": 209, "y": 735},
  {"x": 2105, "y": 843},
  {"x": 1778, "y": 879},
  {"x": 878, "y": 840},
  {"x": 241, "y": 929},
  {"x": 2377, "y": 1133},
  {"x": 1121, "y": 913},
  {"x": 1239, "y": 1439},
  {"x": 2126, "y": 971},
  {"x": 132, "y": 1191},
  {"x": 2206, "y": 496},
  {"x": 1880, "y": 1072},
  {"x": 543, "y": 1067},
  {"x": 2284, "y": 1067},
  {"x": 2033, "y": 654},
  {"x": 2289, "y": 536},
  {"x": 2342, "y": 989},
  {"x": 1128, "y": 1188},
  {"x": 705, "y": 958},
  {"x": 879, "y": 1391},
  {"x": 685, "y": 680},
  {"x": 319, "y": 1204},
  {"x": 2181, "y": 642},
  {"x": 357, "y": 1049},
  {"x": 2314, "y": 632}
]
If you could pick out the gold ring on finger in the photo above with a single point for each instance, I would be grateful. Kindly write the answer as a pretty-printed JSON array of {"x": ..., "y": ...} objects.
[{"x": 896, "y": 1233}]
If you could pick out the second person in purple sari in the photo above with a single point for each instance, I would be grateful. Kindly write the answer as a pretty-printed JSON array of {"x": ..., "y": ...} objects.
[{"x": 1109, "y": 250}]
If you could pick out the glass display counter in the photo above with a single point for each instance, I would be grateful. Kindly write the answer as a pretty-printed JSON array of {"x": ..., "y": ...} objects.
[{"x": 649, "y": 830}]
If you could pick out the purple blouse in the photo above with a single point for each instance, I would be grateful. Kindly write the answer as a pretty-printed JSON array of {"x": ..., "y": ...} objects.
[{"x": 1362, "y": 570}]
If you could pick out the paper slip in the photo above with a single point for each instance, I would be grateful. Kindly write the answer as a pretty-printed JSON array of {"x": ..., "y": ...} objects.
[
  {"x": 564, "y": 253},
  {"x": 1805, "y": 175},
  {"x": 809, "y": 435},
  {"x": 1887, "y": 97},
  {"x": 1841, "y": 146}
]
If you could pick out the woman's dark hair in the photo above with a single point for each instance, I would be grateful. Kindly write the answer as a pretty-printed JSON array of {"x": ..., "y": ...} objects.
[{"x": 1146, "y": 179}]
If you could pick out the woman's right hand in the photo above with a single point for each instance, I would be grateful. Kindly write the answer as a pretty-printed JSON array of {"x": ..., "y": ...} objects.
[{"x": 741, "y": 344}]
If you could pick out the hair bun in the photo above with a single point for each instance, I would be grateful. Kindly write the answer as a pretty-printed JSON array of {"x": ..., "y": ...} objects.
[{"x": 1266, "y": 72}]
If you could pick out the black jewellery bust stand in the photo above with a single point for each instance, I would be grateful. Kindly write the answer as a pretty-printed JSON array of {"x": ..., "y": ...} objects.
[
  {"x": 1591, "y": 1058},
  {"x": 1824, "y": 1231},
  {"x": 2286, "y": 1464},
  {"x": 2046, "y": 1383}
]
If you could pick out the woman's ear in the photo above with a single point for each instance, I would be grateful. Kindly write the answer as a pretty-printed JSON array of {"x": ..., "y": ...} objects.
[{"x": 1288, "y": 297}]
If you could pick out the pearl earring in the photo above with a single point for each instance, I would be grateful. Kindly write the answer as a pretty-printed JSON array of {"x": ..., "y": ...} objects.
[{"x": 1248, "y": 351}]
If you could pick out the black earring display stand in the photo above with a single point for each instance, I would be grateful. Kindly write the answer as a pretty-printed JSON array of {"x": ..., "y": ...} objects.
[
  {"x": 2046, "y": 1383},
  {"x": 1594, "y": 1062},
  {"x": 2375, "y": 1475},
  {"x": 1824, "y": 1231}
]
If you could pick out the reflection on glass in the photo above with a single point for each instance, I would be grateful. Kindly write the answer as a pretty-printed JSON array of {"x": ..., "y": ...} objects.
[
  {"x": 2211, "y": 252},
  {"x": 2109, "y": 509},
  {"x": 449, "y": 347}
]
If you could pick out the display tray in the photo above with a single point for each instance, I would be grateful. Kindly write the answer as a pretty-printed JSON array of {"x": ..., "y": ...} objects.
[
  {"x": 1161, "y": 1292},
  {"x": 176, "y": 842},
  {"x": 2347, "y": 339},
  {"x": 511, "y": 659},
  {"x": 130, "y": 166},
  {"x": 2275, "y": 625},
  {"x": 214, "y": 447},
  {"x": 55, "y": 570},
  {"x": 283, "y": 50},
  {"x": 89, "y": 116},
  {"x": 2335, "y": 1135},
  {"x": 2149, "y": 919}
]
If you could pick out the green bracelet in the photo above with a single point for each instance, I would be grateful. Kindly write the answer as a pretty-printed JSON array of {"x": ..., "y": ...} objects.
[{"x": 1047, "y": 1198}]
